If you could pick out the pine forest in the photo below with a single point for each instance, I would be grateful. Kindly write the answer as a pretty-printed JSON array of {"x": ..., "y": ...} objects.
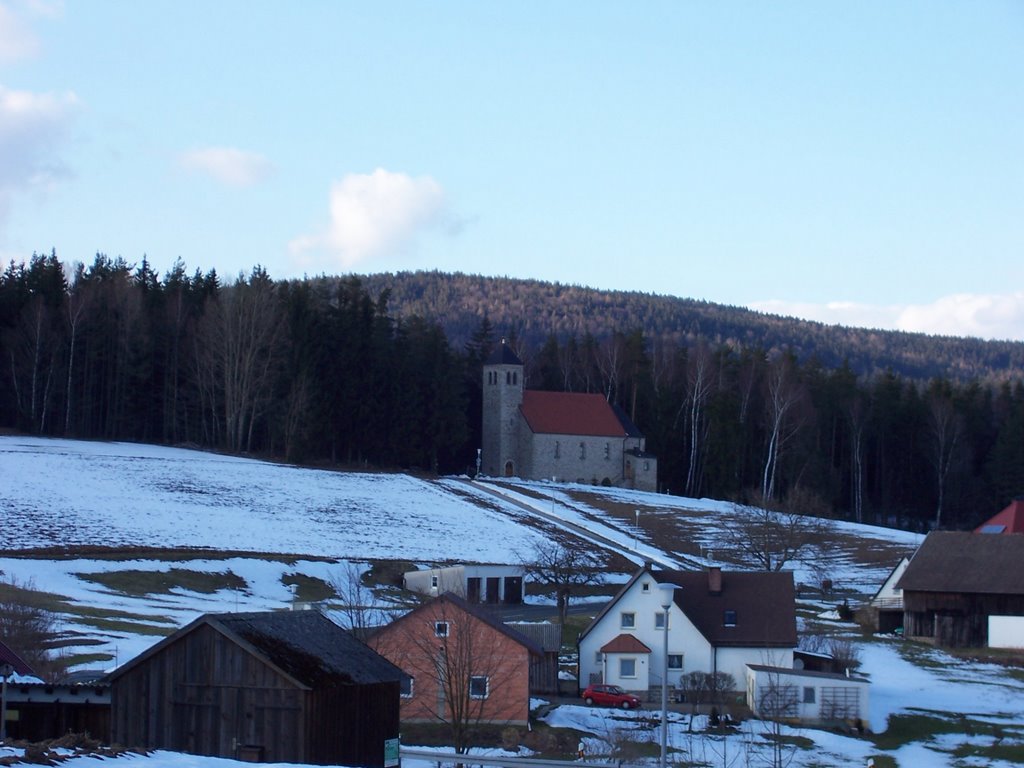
[{"x": 385, "y": 372}]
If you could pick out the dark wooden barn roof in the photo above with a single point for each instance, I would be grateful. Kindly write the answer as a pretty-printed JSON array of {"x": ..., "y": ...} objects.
[
  {"x": 310, "y": 647},
  {"x": 966, "y": 563},
  {"x": 305, "y": 645}
]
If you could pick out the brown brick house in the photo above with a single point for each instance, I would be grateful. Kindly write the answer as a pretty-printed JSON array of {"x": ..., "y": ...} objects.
[{"x": 463, "y": 664}]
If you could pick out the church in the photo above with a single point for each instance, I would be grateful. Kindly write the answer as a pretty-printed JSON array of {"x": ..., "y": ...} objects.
[{"x": 560, "y": 436}]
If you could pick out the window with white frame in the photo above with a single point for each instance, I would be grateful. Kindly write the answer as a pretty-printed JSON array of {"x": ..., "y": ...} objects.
[
  {"x": 598, "y": 657},
  {"x": 729, "y": 618},
  {"x": 441, "y": 629},
  {"x": 659, "y": 620},
  {"x": 627, "y": 620},
  {"x": 479, "y": 686},
  {"x": 675, "y": 661},
  {"x": 627, "y": 667},
  {"x": 406, "y": 687},
  {"x": 645, "y": 587}
]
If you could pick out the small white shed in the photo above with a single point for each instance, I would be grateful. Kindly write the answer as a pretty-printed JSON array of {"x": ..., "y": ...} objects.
[
  {"x": 473, "y": 583},
  {"x": 778, "y": 693}
]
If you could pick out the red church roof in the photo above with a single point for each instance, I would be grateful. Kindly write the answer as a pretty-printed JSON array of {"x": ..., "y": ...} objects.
[
  {"x": 1010, "y": 520},
  {"x": 570, "y": 413}
]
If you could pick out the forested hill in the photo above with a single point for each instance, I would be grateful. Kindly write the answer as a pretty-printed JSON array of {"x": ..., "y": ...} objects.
[{"x": 532, "y": 310}]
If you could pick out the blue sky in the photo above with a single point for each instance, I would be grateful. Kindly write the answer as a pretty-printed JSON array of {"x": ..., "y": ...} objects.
[{"x": 859, "y": 162}]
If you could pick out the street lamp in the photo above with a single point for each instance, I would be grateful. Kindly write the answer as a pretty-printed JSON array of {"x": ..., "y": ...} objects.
[
  {"x": 667, "y": 592},
  {"x": 636, "y": 531}
]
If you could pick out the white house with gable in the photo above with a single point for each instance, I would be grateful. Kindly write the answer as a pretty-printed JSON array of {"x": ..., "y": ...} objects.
[{"x": 718, "y": 621}]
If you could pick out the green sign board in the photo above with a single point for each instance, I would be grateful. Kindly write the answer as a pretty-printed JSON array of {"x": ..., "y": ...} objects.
[{"x": 391, "y": 753}]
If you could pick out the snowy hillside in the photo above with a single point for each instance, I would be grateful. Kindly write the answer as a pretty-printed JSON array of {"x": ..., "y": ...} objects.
[
  {"x": 255, "y": 525},
  {"x": 91, "y": 524}
]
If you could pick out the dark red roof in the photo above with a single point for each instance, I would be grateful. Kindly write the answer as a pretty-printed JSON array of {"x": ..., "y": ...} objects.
[
  {"x": 7, "y": 656},
  {"x": 1010, "y": 520},
  {"x": 761, "y": 606},
  {"x": 570, "y": 413},
  {"x": 625, "y": 644}
]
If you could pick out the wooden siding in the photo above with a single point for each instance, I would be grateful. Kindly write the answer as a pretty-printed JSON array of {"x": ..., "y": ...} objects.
[
  {"x": 205, "y": 695},
  {"x": 955, "y": 620}
]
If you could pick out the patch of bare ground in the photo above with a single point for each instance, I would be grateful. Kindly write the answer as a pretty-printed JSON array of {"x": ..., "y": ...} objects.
[
  {"x": 67, "y": 747},
  {"x": 674, "y": 530}
]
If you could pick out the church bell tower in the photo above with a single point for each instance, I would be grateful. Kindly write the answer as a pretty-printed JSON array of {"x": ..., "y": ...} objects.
[{"x": 503, "y": 394}]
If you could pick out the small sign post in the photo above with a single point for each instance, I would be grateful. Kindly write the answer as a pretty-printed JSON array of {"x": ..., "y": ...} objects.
[{"x": 391, "y": 758}]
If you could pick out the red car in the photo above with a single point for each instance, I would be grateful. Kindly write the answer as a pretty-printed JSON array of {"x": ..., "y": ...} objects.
[{"x": 609, "y": 696}]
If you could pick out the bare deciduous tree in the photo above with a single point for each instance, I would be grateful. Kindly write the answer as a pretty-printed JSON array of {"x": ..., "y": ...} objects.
[
  {"x": 28, "y": 627},
  {"x": 563, "y": 567},
  {"x": 946, "y": 428},
  {"x": 770, "y": 535},
  {"x": 457, "y": 666},
  {"x": 357, "y": 604},
  {"x": 782, "y": 398}
]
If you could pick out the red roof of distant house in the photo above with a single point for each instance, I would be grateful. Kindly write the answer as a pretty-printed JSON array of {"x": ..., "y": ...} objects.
[
  {"x": 17, "y": 664},
  {"x": 1010, "y": 520},
  {"x": 570, "y": 413},
  {"x": 625, "y": 644}
]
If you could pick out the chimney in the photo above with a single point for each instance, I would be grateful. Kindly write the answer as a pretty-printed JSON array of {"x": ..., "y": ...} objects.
[{"x": 714, "y": 580}]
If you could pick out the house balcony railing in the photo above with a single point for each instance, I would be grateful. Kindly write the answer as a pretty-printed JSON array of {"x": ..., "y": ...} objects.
[{"x": 888, "y": 603}]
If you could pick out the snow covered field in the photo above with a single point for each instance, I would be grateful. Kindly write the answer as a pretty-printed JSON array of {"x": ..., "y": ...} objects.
[{"x": 56, "y": 493}]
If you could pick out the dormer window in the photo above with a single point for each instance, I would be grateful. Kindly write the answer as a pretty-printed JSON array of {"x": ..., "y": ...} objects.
[{"x": 729, "y": 618}]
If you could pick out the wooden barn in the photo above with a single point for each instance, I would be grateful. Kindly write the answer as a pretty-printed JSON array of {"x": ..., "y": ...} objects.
[
  {"x": 956, "y": 581},
  {"x": 285, "y": 687}
]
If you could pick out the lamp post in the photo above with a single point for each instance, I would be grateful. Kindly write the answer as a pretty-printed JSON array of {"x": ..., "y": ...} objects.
[
  {"x": 5, "y": 671},
  {"x": 667, "y": 592},
  {"x": 636, "y": 531}
]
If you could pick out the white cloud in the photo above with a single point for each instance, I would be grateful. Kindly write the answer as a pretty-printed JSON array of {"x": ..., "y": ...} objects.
[
  {"x": 228, "y": 165},
  {"x": 373, "y": 214},
  {"x": 32, "y": 127},
  {"x": 16, "y": 39},
  {"x": 985, "y": 316}
]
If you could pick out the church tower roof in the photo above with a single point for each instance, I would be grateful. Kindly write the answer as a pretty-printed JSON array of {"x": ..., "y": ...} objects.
[{"x": 503, "y": 355}]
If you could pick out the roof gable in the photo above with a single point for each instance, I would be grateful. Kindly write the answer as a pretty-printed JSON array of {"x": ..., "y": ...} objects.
[
  {"x": 18, "y": 664},
  {"x": 1009, "y": 520},
  {"x": 966, "y": 563},
  {"x": 475, "y": 610},
  {"x": 571, "y": 413},
  {"x": 503, "y": 355},
  {"x": 764, "y": 604},
  {"x": 305, "y": 646},
  {"x": 624, "y": 644}
]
